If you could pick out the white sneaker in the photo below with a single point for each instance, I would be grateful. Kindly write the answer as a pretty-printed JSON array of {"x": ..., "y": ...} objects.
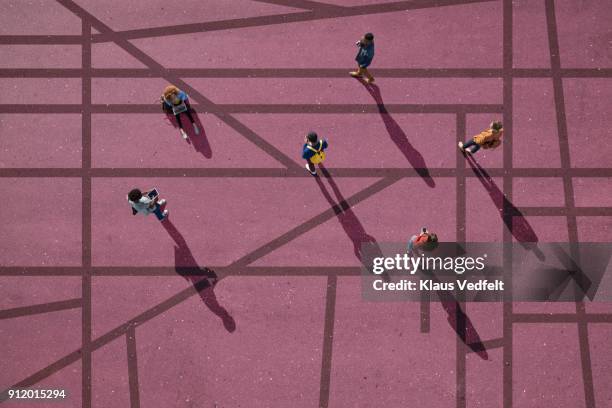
[
  {"x": 165, "y": 214},
  {"x": 196, "y": 129},
  {"x": 183, "y": 134},
  {"x": 460, "y": 144},
  {"x": 313, "y": 173},
  {"x": 162, "y": 201}
]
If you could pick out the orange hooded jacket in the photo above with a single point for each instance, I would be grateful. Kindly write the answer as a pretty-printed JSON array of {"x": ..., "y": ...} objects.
[{"x": 488, "y": 139}]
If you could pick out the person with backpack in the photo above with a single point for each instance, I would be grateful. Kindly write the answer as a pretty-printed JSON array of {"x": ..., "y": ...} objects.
[
  {"x": 174, "y": 101},
  {"x": 487, "y": 139},
  {"x": 313, "y": 151},
  {"x": 425, "y": 240}
]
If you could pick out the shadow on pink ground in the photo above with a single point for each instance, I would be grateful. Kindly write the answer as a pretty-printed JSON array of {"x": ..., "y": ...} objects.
[
  {"x": 351, "y": 225},
  {"x": 203, "y": 279},
  {"x": 461, "y": 324},
  {"x": 399, "y": 137},
  {"x": 354, "y": 229},
  {"x": 199, "y": 142},
  {"x": 516, "y": 222}
]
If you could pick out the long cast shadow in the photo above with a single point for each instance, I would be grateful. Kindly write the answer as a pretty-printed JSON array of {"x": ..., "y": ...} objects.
[
  {"x": 202, "y": 279},
  {"x": 261, "y": 21},
  {"x": 512, "y": 217},
  {"x": 348, "y": 220},
  {"x": 457, "y": 319},
  {"x": 398, "y": 136},
  {"x": 461, "y": 323},
  {"x": 350, "y": 223},
  {"x": 199, "y": 142}
]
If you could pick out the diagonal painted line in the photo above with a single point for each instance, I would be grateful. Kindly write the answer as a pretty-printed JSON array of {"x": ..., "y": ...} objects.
[
  {"x": 188, "y": 292},
  {"x": 314, "y": 222},
  {"x": 368, "y": 9},
  {"x": 196, "y": 95},
  {"x": 44, "y": 373},
  {"x": 328, "y": 13},
  {"x": 107, "y": 338},
  {"x": 41, "y": 308},
  {"x": 575, "y": 318},
  {"x": 304, "y": 4}
]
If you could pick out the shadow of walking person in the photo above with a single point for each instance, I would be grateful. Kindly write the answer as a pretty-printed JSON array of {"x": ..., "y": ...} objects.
[
  {"x": 461, "y": 323},
  {"x": 202, "y": 279},
  {"x": 348, "y": 220},
  {"x": 199, "y": 142},
  {"x": 456, "y": 317},
  {"x": 365, "y": 246},
  {"x": 398, "y": 136},
  {"x": 512, "y": 217}
]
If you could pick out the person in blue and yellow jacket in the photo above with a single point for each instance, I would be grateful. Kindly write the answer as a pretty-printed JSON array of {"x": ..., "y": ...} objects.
[
  {"x": 313, "y": 151},
  {"x": 364, "y": 58}
]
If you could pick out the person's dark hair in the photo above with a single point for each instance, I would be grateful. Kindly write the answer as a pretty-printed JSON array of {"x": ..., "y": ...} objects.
[
  {"x": 135, "y": 195},
  {"x": 369, "y": 36},
  {"x": 496, "y": 125},
  {"x": 312, "y": 137}
]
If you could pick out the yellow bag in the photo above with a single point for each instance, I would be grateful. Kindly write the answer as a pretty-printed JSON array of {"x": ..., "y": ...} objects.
[{"x": 319, "y": 155}]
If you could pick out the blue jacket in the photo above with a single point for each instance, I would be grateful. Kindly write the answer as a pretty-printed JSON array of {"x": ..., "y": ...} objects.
[
  {"x": 307, "y": 153},
  {"x": 181, "y": 95},
  {"x": 365, "y": 55}
]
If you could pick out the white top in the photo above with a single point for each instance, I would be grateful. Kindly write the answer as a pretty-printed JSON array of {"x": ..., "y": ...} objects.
[{"x": 142, "y": 206}]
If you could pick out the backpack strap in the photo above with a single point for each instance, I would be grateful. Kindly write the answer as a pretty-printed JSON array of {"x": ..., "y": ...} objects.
[{"x": 309, "y": 147}]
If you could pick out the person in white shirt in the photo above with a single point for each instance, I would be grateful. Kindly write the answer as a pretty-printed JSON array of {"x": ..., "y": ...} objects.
[{"x": 143, "y": 204}]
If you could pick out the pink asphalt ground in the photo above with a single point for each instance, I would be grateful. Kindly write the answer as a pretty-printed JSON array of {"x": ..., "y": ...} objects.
[{"x": 91, "y": 298}]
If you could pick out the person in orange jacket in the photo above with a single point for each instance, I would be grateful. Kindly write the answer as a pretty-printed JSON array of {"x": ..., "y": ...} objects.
[{"x": 487, "y": 139}]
